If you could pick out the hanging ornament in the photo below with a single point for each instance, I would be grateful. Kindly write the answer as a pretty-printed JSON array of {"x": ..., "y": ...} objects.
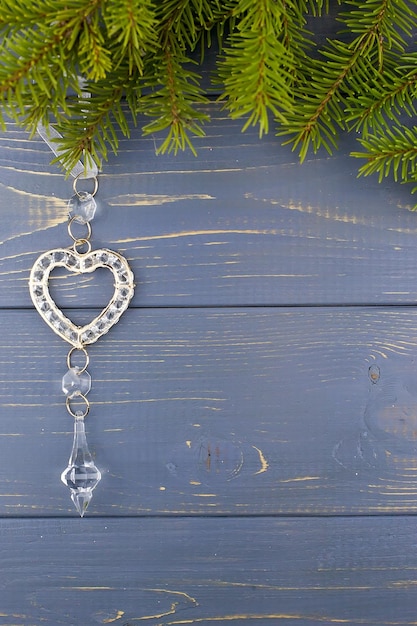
[{"x": 81, "y": 475}]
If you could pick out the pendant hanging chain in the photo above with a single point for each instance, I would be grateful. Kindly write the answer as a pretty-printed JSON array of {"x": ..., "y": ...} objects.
[
  {"x": 81, "y": 475},
  {"x": 76, "y": 383},
  {"x": 79, "y": 242},
  {"x": 82, "y": 208}
]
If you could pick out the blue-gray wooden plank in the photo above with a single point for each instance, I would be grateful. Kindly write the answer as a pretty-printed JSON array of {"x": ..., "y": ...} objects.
[
  {"x": 241, "y": 224},
  {"x": 302, "y": 572},
  {"x": 219, "y": 411},
  {"x": 206, "y": 412}
]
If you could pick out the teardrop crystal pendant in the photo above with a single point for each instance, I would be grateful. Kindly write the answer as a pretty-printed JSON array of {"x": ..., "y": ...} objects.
[{"x": 81, "y": 475}]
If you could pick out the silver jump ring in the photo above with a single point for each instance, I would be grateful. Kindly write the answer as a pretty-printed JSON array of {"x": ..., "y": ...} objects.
[
  {"x": 81, "y": 242},
  {"x": 71, "y": 234},
  {"x": 81, "y": 194},
  {"x": 87, "y": 359},
  {"x": 78, "y": 412}
]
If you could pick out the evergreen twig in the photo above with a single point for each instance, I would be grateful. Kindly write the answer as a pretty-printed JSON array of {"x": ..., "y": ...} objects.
[{"x": 144, "y": 52}]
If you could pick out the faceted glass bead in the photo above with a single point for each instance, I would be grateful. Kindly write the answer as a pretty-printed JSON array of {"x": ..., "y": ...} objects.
[
  {"x": 38, "y": 275},
  {"x": 51, "y": 316},
  {"x": 75, "y": 383},
  {"x": 83, "y": 207},
  {"x": 59, "y": 256},
  {"x": 37, "y": 290},
  {"x": 44, "y": 305},
  {"x": 89, "y": 335},
  {"x": 81, "y": 475}
]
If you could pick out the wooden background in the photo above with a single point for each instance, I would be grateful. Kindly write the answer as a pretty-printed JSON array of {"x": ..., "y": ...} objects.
[{"x": 254, "y": 413}]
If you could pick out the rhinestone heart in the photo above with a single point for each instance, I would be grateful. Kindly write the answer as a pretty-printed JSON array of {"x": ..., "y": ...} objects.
[{"x": 81, "y": 263}]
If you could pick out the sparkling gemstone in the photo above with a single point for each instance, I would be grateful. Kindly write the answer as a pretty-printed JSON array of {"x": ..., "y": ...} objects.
[
  {"x": 114, "y": 310},
  {"x": 114, "y": 261},
  {"x": 44, "y": 305},
  {"x": 83, "y": 207},
  {"x": 81, "y": 475},
  {"x": 37, "y": 290},
  {"x": 89, "y": 335},
  {"x": 59, "y": 256},
  {"x": 61, "y": 326},
  {"x": 51, "y": 316},
  {"x": 81, "y": 499},
  {"x": 45, "y": 262},
  {"x": 75, "y": 383},
  {"x": 38, "y": 275},
  {"x": 72, "y": 335},
  {"x": 110, "y": 314},
  {"x": 97, "y": 330}
]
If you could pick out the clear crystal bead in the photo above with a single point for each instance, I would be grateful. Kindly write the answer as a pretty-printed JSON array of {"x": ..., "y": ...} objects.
[
  {"x": 37, "y": 290},
  {"x": 51, "y": 316},
  {"x": 44, "y": 305},
  {"x": 38, "y": 275},
  {"x": 59, "y": 256},
  {"x": 75, "y": 383},
  {"x": 68, "y": 331},
  {"x": 72, "y": 261},
  {"x": 61, "y": 326},
  {"x": 83, "y": 207},
  {"x": 110, "y": 314},
  {"x": 114, "y": 261},
  {"x": 81, "y": 475},
  {"x": 72, "y": 336},
  {"x": 100, "y": 326},
  {"x": 89, "y": 336},
  {"x": 118, "y": 304}
]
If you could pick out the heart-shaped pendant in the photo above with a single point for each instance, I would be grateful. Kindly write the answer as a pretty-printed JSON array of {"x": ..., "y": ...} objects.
[{"x": 81, "y": 263}]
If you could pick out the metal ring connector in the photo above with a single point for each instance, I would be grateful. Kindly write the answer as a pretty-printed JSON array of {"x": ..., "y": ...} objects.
[
  {"x": 78, "y": 412},
  {"x": 82, "y": 242},
  {"x": 87, "y": 360},
  {"x": 81, "y": 194},
  {"x": 71, "y": 234}
]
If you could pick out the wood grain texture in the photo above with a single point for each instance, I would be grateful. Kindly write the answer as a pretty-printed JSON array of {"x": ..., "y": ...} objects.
[
  {"x": 294, "y": 572},
  {"x": 242, "y": 224},
  {"x": 257, "y": 442},
  {"x": 219, "y": 411}
]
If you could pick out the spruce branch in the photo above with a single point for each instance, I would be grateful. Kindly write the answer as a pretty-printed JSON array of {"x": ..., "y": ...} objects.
[
  {"x": 131, "y": 26},
  {"x": 394, "y": 153},
  {"x": 174, "y": 88},
  {"x": 143, "y": 53},
  {"x": 387, "y": 98},
  {"x": 259, "y": 66},
  {"x": 174, "y": 92},
  {"x": 333, "y": 78},
  {"x": 29, "y": 77},
  {"x": 91, "y": 124}
]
